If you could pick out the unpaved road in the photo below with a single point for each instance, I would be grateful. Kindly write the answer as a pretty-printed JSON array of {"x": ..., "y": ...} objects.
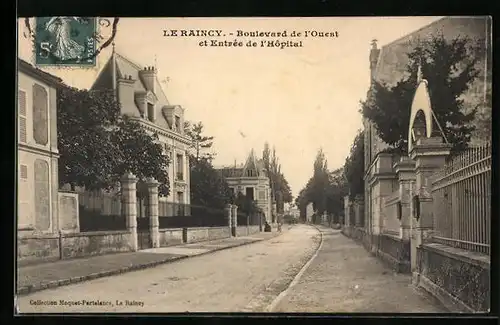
[{"x": 242, "y": 279}]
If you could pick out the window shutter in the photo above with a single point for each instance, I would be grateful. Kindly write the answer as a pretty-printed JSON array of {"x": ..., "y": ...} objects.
[
  {"x": 23, "y": 172},
  {"x": 22, "y": 115}
]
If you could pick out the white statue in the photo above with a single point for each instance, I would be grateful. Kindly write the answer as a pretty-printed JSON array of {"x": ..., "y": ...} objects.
[{"x": 65, "y": 48}]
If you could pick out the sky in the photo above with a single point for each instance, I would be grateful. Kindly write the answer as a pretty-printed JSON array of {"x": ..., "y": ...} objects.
[{"x": 298, "y": 99}]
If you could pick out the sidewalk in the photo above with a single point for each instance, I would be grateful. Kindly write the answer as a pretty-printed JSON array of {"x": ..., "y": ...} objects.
[
  {"x": 344, "y": 277},
  {"x": 38, "y": 277}
]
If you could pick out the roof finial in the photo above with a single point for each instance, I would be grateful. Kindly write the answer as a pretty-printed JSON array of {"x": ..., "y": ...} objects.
[{"x": 155, "y": 67}]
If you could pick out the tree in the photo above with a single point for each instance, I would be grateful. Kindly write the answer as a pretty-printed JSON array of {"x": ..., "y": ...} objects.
[
  {"x": 246, "y": 204},
  {"x": 354, "y": 167},
  {"x": 319, "y": 183},
  {"x": 280, "y": 188},
  {"x": 199, "y": 141},
  {"x": 97, "y": 145},
  {"x": 336, "y": 190},
  {"x": 208, "y": 188},
  {"x": 449, "y": 68},
  {"x": 142, "y": 154}
]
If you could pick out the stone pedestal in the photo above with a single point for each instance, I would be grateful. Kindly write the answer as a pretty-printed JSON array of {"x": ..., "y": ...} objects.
[
  {"x": 429, "y": 155},
  {"x": 153, "y": 212},
  {"x": 129, "y": 206}
]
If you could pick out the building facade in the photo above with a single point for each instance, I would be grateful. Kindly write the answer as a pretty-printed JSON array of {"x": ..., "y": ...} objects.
[
  {"x": 141, "y": 97},
  {"x": 251, "y": 180},
  {"x": 388, "y": 65},
  {"x": 37, "y": 180}
]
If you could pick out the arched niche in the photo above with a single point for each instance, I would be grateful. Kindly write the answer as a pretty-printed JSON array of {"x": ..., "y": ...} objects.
[{"x": 421, "y": 112}]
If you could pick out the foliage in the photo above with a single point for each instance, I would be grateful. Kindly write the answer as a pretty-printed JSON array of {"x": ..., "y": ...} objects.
[
  {"x": 246, "y": 204},
  {"x": 207, "y": 186},
  {"x": 280, "y": 189},
  {"x": 320, "y": 181},
  {"x": 335, "y": 191},
  {"x": 325, "y": 190},
  {"x": 354, "y": 167},
  {"x": 97, "y": 145},
  {"x": 200, "y": 143},
  {"x": 142, "y": 154},
  {"x": 449, "y": 68}
]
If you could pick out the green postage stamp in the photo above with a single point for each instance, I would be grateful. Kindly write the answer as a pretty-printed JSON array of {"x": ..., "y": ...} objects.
[{"x": 65, "y": 41}]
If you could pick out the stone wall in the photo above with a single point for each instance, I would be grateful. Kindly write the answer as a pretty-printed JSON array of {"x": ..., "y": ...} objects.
[
  {"x": 459, "y": 279},
  {"x": 241, "y": 231},
  {"x": 253, "y": 229},
  {"x": 170, "y": 237},
  {"x": 395, "y": 252},
  {"x": 95, "y": 243},
  {"x": 37, "y": 248},
  {"x": 207, "y": 233}
]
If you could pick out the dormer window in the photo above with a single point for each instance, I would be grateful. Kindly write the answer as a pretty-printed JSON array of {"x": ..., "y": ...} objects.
[
  {"x": 177, "y": 123},
  {"x": 151, "y": 112}
]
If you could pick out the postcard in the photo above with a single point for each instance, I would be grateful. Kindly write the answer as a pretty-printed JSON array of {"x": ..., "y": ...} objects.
[{"x": 253, "y": 165}]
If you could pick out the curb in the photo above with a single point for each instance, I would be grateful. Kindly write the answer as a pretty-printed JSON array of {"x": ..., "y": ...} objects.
[
  {"x": 64, "y": 282},
  {"x": 297, "y": 276}
]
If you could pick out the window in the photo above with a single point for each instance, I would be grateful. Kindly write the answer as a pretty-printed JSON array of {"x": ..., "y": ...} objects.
[
  {"x": 177, "y": 123},
  {"x": 23, "y": 172},
  {"x": 22, "y": 115},
  {"x": 249, "y": 193},
  {"x": 40, "y": 115},
  {"x": 180, "y": 168},
  {"x": 180, "y": 204},
  {"x": 250, "y": 173},
  {"x": 151, "y": 112},
  {"x": 24, "y": 198}
]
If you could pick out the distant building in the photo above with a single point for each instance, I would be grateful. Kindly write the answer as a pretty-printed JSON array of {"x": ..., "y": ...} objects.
[
  {"x": 37, "y": 150},
  {"x": 309, "y": 212},
  {"x": 141, "y": 96},
  {"x": 251, "y": 180},
  {"x": 295, "y": 212}
]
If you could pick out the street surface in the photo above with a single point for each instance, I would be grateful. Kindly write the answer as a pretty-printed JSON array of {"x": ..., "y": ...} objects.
[
  {"x": 242, "y": 279},
  {"x": 345, "y": 278}
]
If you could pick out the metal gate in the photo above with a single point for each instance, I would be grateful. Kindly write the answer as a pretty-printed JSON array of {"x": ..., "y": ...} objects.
[{"x": 143, "y": 232}]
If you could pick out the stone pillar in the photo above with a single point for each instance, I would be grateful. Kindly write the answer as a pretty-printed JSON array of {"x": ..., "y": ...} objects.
[
  {"x": 228, "y": 211},
  {"x": 153, "y": 212},
  {"x": 381, "y": 184},
  {"x": 129, "y": 206},
  {"x": 234, "y": 219},
  {"x": 347, "y": 211},
  {"x": 358, "y": 211},
  {"x": 405, "y": 169},
  {"x": 429, "y": 155}
]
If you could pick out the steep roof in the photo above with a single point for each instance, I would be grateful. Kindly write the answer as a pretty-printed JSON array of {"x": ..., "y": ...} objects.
[
  {"x": 392, "y": 60},
  {"x": 253, "y": 164},
  {"x": 126, "y": 67},
  {"x": 48, "y": 78}
]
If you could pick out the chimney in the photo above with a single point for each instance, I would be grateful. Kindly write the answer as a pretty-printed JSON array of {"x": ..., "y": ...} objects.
[
  {"x": 374, "y": 53},
  {"x": 148, "y": 76}
]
